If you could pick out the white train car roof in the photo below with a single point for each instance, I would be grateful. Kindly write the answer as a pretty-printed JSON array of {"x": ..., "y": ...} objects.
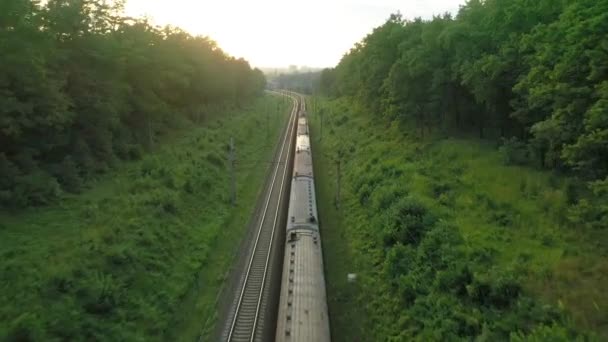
[
  {"x": 302, "y": 143},
  {"x": 303, "y": 305},
  {"x": 302, "y": 210},
  {"x": 302, "y": 164},
  {"x": 302, "y": 126}
]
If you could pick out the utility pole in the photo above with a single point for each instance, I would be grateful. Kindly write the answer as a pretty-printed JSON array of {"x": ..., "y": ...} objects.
[
  {"x": 321, "y": 112},
  {"x": 338, "y": 180},
  {"x": 232, "y": 159},
  {"x": 150, "y": 141}
]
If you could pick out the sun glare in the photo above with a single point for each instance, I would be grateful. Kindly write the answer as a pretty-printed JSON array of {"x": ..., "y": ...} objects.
[
  {"x": 275, "y": 33},
  {"x": 264, "y": 32}
]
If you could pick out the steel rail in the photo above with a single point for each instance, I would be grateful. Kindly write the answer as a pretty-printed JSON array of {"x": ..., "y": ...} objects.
[{"x": 255, "y": 250}]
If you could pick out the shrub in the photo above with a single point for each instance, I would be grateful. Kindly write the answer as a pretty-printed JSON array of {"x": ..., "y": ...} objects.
[
  {"x": 479, "y": 291},
  {"x": 515, "y": 152},
  {"x": 440, "y": 188},
  {"x": 134, "y": 152},
  {"x": 69, "y": 175},
  {"x": 364, "y": 194},
  {"x": 26, "y": 327},
  {"x": 167, "y": 201},
  {"x": 523, "y": 184},
  {"x": 170, "y": 180},
  {"x": 505, "y": 291},
  {"x": 383, "y": 197},
  {"x": 117, "y": 256},
  {"x": 100, "y": 294},
  {"x": 142, "y": 184},
  {"x": 496, "y": 291},
  {"x": 408, "y": 222},
  {"x": 399, "y": 260},
  {"x": 454, "y": 280},
  {"x": 8, "y": 172},
  {"x": 215, "y": 160},
  {"x": 571, "y": 191},
  {"x": 484, "y": 256},
  {"x": 407, "y": 289},
  {"x": 188, "y": 187},
  {"x": 342, "y": 120},
  {"x": 440, "y": 246},
  {"x": 148, "y": 166},
  {"x": 127, "y": 150},
  {"x": 90, "y": 211},
  {"x": 36, "y": 188},
  {"x": 502, "y": 218},
  {"x": 540, "y": 333},
  {"x": 593, "y": 210}
]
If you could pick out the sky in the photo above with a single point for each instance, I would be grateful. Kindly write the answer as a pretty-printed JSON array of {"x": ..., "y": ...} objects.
[{"x": 279, "y": 33}]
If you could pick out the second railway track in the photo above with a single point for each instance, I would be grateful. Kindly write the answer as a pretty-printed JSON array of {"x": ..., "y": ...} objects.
[{"x": 246, "y": 317}]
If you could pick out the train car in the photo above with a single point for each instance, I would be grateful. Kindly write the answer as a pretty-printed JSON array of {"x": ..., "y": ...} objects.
[
  {"x": 303, "y": 314},
  {"x": 302, "y": 126}
]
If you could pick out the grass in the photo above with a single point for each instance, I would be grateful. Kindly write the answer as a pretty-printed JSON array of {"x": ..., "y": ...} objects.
[
  {"x": 508, "y": 227},
  {"x": 141, "y": 254}
]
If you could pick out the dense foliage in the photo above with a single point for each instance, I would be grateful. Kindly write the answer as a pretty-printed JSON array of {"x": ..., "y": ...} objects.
[
  {"x": 533, "y": 73},
  {"x": 142, "y": 255},
  {"x": 447, "y": 242},
  {"x": 82, "y": 86}
]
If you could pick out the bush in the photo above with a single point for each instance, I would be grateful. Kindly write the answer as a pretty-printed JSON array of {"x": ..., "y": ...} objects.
[
  {"x": 188, "y": 187},
  {"x": 494, "y": 291},
  {"x": 592, "y": 211},
  {"x": 408, "y": 222},
  {"x": 541, "y": 333},
  {"x": 20, "y": 190},
  {"x": 100, "y": 294},
  {"x": 149, "y": 166},
  {"x": 142, "y": 184},
  {"x": 8, "y": 172},
  {"x": 454, "y": 280},
  {"x": 37, "y": 188},
  {"x": 26, "y": 327},
  {"x": 69, "y": 175},
  {"x": 484, "y": 256},
  {"x": 502, "y": 218},
  {"x": 400, "y": 260},
  {"x": 166, "y": 201},
  {"x": 383, "y": 197},
  {"x": 441, "y": 187},
  {"x": 170, "y": 180},
  {"x": 215, "y": 160},
  {"x": 588, "y": 214},
  {"x": 571, "y": 191},
  {"x": 505, "y": 291},
  {"x": 515, "y": 152},
  {"x": 342, "y": 120}
]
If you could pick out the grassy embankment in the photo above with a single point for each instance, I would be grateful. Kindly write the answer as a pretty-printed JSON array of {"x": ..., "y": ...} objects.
[
  {"x": 142, "y": 253},
  {"x": 447, "y": 241}
]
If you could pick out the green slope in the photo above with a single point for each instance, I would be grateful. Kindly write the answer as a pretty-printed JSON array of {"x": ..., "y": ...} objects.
[
  {"x": 448, "y": 242},
  {"x": 142, "y": 254}
]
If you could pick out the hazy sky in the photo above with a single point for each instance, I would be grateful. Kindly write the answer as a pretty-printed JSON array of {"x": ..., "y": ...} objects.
[{"x": 277, "y": 33}]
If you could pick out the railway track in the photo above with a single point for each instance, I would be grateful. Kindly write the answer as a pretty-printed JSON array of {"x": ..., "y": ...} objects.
[{"x": 246, "y": 318}]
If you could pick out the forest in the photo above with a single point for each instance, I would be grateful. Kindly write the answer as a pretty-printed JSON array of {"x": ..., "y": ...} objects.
[
  {"x": 463, "y": 175},
  {"x": 83, "y": 87},
  {"x": 531, "y": 75}
]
